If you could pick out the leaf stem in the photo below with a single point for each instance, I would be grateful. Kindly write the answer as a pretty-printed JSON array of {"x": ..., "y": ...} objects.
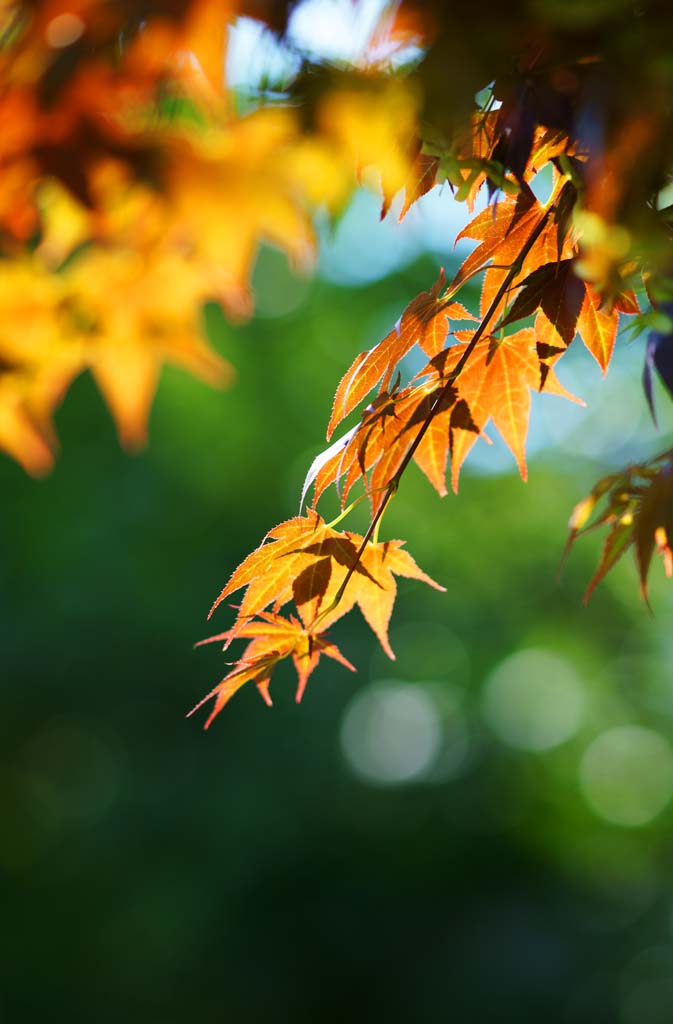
[
  {"x": 394, "y": 483},
  {"x": 346, "y": 511}
]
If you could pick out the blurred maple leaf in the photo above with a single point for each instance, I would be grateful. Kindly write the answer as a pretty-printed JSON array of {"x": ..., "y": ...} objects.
[
  {"x": 137, "y": 311},
  {"x": 140, "y": 215}
]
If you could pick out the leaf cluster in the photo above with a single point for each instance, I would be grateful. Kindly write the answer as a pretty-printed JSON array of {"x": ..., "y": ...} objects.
[
  {"x": 527, "y": 253},
  {"x": 136, "y": 187}
]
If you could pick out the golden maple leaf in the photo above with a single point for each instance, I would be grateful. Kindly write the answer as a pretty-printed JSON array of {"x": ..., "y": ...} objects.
[{"x": 274, "y": 638}]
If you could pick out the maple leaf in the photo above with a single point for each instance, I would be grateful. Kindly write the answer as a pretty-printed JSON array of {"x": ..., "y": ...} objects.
[
  {"x": 566, "y": 305},
  {"x": 374, "y": 450},
  {"x": 653, "y": 524},
  {"x": 305, "y": 560},
  {"x": 467, "y": 167},
  {"x": 372, "y": 586},
  {"x": 502, "y": 231},
  {"x": 638, "y": 512},
  {"x": 273, "y": 638},
  {"x": 658, "y": 357},
  {"x": 424, "y": 322},
  {"x": 268, "y": 571},
  {"x": 374, "y": 127},
  {"x": 521, "y": 288},
  {"x": 21, "y": 434},
  {"x": 38, "y": 360},
  {"x": 233, "y": 188},
  {"x": 596, "y": 323},
  {"x": 412, "y": 410},
  {"x": 138, "y": 310},
  {"x": 618, "y": 513},
  {"x": 494, "y": 384},
  {"x": 555, "y": 289},
  {"x": 421, "y": 179},
  {"x": 548, "y": 144},
  {"x": 597, "y": 326},
  {"x": 432, "y": 453},
  {"x": 451, "y": 418}
]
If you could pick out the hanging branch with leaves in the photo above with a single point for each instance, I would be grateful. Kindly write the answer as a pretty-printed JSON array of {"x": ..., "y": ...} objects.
[
  {"x": 136, "y": 185},
  {"x": 527, "y": 254}
]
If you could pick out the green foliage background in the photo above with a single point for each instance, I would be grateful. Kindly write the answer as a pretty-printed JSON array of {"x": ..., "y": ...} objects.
[{"x": 155, "y": 872}]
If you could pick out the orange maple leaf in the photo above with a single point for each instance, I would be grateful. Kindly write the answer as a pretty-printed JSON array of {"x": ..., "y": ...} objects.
[
  {"x": 372, "y": 586},
  {"x": 274, "y": 638},
  {"x": 568, "y": 305},
  {"x": 421, "y": 179},
  {"x": 268, "y": 572},
  {"x": 502, "y": 231},
  {"x": 424, "y": 322},
  {"x": 545, "y": 249},
  {"x": 377, "y": 445},
  {"x": 305, "y": 560},
  {"x": 494, "y": 384},
  {"x": 597, "y": 326}
]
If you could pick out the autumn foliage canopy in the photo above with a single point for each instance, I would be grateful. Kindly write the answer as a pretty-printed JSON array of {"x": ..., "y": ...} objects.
[{"x": 136, "y": 185}]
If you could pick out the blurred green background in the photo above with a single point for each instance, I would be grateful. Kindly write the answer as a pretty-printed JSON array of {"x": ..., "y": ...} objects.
[{"x": 479, "y": 831}]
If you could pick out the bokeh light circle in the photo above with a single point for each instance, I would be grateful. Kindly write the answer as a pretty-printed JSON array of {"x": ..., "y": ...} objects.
[
  {"x": 391, "y": 733},
  {"x": 534, "y": 700},
  {"x": 626, "y": 775}
]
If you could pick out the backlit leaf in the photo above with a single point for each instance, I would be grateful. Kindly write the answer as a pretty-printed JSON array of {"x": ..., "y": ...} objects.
[
  {"x": 306, "y": 561},
  {"x": 597, "y": 326},
  {"x": 424, "y": 322},
  {"x": 274, "y": 639},
  {"x": 495, "y": 384},
  {"x": 502, "y": 231}
]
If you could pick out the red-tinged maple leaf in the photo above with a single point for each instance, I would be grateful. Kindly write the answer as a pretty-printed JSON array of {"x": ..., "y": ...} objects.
[
  {"x": 274, "y": 638},
  {"x": 626, "y": 302},
  {"x": 502, "y": 231},
  {"x": 556, "y": 290},
  {"x": 422, "y": 177},
  {"x": 597, "y": 326},
  {"x": 653, "y": 524},
  {"x": 494, "y": 384},
  {"x": 548, "y": 144},
  {"x": 617, "y": 542},
  {"x": 618, "y": 514},
  {"x": 558, "y": 318},
  {"x": 543, "y": 250},
  {"x": 424, "y": 322}
]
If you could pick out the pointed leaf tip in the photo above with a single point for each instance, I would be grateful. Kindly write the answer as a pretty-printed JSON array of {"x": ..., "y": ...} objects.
[{"x": 273, "y": 639}]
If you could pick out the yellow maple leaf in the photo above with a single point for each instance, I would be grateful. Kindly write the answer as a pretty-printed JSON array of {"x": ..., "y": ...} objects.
[{"x": 138, "y": 311}]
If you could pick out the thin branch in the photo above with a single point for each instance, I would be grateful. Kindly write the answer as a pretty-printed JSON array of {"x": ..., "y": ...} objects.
[{"x": 394, "y": 483}]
